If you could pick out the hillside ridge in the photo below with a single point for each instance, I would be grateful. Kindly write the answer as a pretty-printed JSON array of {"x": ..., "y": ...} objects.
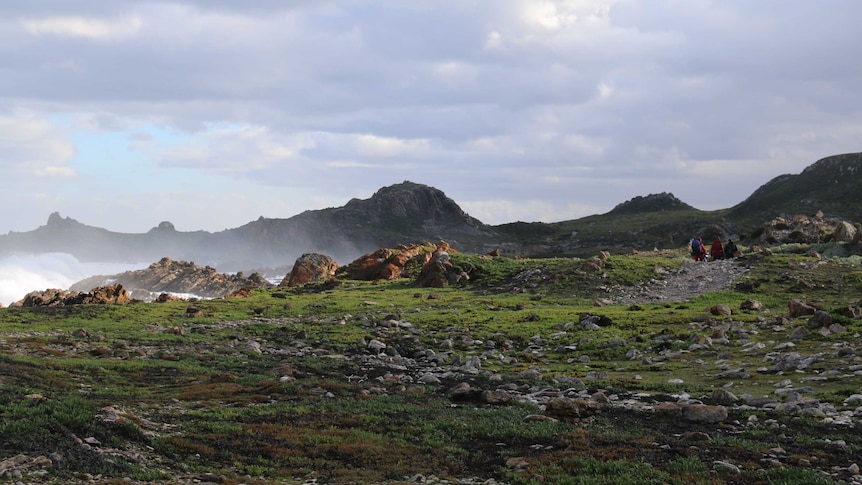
[{"x": 413, "y": 213}]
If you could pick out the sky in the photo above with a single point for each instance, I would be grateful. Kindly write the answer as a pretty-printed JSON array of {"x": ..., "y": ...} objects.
[{"x": 212, "y": 113}]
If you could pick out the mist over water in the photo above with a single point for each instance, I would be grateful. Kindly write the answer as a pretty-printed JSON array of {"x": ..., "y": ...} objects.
[{"x": 23, "y": 273}]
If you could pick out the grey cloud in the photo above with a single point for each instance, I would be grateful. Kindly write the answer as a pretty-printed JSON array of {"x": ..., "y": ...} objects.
[{"x": 597, "y": 110}]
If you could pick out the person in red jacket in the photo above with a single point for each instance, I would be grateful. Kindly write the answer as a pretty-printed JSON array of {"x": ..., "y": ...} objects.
[{"x": 717, "y": 250}]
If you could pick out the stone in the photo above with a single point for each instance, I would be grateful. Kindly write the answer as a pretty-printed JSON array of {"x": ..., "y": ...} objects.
[
  {"x": 310, "y": 268},
  {"x": 800, "y": 308},
  {"x": 725, "y": 467},
  {"x": 723, "y": 397},
  {"x": 496, "y": 397},
  {"x": 596, "y": 375},
  {"x": 376, "y": 346},
  {"x": 720, "y": 310},
  {"x": 532, "y": 374},
  {"x": 751, "y": 305},
  {"x": 695, "y": 437},
  {"x": 572, "y": 408},
  {"x": 439, "y": 272},
  {"x": 845, "y": 232},
  {"x": 799, "y": 333},
  {"x": 697, "y": 413},
  {"x": 820, "y": 319},
  {"x": 429, "y": 379}
]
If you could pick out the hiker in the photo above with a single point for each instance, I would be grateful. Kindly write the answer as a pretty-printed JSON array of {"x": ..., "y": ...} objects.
[
  {"x": 698, "y": 251},
  {"x": 730, "y": 250},
  {"x": 717, "y": 250}
]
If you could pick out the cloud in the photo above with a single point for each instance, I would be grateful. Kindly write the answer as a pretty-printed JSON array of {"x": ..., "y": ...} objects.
[
  {"x": 90, "y": 28},
  {"x": 521, "y": 107},
  {"x": 31, "y": 146}
]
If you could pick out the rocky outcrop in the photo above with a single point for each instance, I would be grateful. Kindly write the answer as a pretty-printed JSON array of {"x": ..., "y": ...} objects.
[
  {"x": 802, "y": 229},
  {"x": 104, "y": 295},
  {"x": 845, "y": 232},
  {"x": 403, "y": 261},
  {"x": 310, "y": 268},
  {"x": 439, "y": 272},
  {"x": 178, "y": 277}
]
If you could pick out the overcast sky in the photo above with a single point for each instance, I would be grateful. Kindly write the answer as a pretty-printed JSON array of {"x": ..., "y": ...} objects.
[{"x": 211, "y": 113}]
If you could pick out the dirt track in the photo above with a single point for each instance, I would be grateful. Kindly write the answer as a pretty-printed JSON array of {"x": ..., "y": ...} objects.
[{"x": 692, "y": 279}]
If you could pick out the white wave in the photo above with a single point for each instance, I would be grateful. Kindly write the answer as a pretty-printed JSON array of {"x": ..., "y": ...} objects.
[{"x": 23, "y": 273}]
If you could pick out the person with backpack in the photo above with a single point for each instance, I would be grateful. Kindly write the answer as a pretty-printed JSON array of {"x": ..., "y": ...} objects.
[
  {"x": 698, "y": 251},
  {"x": 717, "y": 250},
  {"x": 730, "y": 250}
]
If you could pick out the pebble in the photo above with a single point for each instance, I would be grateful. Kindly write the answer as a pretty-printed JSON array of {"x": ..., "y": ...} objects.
[{"x": 725, "y": 467}]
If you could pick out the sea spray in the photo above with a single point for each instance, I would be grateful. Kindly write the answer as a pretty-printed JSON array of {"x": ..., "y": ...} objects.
[{"x": 23, "y": 273}]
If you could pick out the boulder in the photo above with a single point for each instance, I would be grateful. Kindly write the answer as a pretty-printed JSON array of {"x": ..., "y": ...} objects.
[
  {"x": 723, "y": 397},
  {"x": 166, "y": 297},
  {"x": 402, "y": 261},
  {"x": 820, "y": 319},
  {"x": 851, "y": 312},
  {"x": 751, "y": 305},
  {"x": 439, "y": 272},
  {"x": 697, "y": 413},
  {"x": 310, "y": 268},
  {"x": 464, "y": 392},
  {"x": 103, "y": 295},
  {"x": 720, "y": 310},
  {"x": 800, "y": 308},
  {"x": 571, "y": 408},
  {"x": 845, "y": 232}
]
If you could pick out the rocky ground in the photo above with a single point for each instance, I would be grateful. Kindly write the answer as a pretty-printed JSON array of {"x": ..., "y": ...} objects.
[
  {"x": 692, "y": 279},
  {"x": 680, "y": 424}
]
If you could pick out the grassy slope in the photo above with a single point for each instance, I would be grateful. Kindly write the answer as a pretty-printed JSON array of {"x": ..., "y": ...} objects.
[
  {"x": 196, "y": 398},
  {"x": 669, "y": 229}
]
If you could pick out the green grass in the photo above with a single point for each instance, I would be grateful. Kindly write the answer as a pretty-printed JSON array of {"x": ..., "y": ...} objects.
[{"x": 199, "y": 398}]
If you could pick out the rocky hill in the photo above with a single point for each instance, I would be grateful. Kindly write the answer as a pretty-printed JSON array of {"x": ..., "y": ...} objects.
[
  {"x": 831, "y": 185},
  {"x": 405, "y": 213},
  {"x": 411, "y": 213},
  {"x": 651, "y": 203}
]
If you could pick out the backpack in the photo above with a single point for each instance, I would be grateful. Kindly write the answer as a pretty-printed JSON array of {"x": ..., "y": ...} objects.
[{"x": 696, "y": 247}]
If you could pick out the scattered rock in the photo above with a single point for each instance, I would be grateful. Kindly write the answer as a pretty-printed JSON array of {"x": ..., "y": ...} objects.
[
  {"x": 751, "y": 305},
  {"x": 723, "y": 397},
  {"x": 720, "y": 310},
  {"x": 571, "y": 408},
  {"x": 698, "y": 413},
  {"x": 819, "y": 319},
  {"x": 725, "y": 467},
  {"x": 800, "y": 308}
]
